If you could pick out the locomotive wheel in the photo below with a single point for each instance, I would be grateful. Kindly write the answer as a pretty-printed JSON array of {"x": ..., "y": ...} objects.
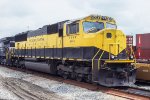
[
  {"x": 65, "y": 76},
  {"x": 60, "y": 72},
  {"x": 79, "y": 78},
  {"x": 23, "y": 67},
  {"x": 89, "y": 79},
  {"x": 11, "y": 65},
  {"x": 73, "y": 75}
]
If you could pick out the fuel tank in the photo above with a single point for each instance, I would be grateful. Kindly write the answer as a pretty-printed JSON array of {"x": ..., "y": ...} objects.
[{"x": 38, "y": 66}]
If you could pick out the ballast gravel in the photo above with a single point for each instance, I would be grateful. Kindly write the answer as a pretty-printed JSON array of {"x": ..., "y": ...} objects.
[
  {"x": 142, "y": 86},
  {"x": 43, "y": 88}
]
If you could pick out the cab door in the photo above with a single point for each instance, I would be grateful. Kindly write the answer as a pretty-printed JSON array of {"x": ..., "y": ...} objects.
[
  {"x": 59, "y": 42},
  {"x": 72, "y": 34},
  {"x": 72, "y": 41}
]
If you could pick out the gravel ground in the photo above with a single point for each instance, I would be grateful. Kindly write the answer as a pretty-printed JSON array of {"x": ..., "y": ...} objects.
[
  {"x": 13, "y": 88},
  {"x": 142, "y": 86},
  {"x": 19, "y": 85}
]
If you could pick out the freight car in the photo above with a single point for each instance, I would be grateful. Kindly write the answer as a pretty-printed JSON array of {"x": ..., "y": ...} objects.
[
  {"x": 143, "y": 56},
  {"x": 143, "y": 46},
  {"x": 129, "y": 40},
  {"x": 90, "y": 49},
  {"x": 143, "y": 72},
  {"x": 6, "y": 46}
]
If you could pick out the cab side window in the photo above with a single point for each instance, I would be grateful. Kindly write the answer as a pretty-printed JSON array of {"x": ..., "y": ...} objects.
[{"x": 72, "y": 28}]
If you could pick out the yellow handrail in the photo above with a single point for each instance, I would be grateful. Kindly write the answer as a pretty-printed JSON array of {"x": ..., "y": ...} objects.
[
  {"x": 99, "y": 60},
  {"x": 133, "y": 53},
  {"x": 94, "y": 58}
]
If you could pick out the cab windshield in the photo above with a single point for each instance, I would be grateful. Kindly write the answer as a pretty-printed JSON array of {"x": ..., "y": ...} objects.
[
  {"x": 109, "y": 25},
  {"x": 92, "y": 27}
]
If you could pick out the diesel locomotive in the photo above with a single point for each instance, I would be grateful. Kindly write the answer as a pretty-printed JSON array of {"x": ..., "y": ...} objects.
[
  {"x": 89, "y": 49},
  {"x": 6, "y": 45}
]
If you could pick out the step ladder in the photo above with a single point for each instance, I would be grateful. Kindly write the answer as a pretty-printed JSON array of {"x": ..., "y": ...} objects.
[{"x": 96, "y": 65}]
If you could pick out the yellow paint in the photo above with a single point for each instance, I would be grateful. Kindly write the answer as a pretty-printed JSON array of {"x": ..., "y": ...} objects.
[
  {"x": 94, "y": 58},
  {"x": 119, "y": 61},
  {"x": 100, "y": 60}
]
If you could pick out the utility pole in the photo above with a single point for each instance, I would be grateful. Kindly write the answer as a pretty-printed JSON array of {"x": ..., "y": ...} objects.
[{"x": 28, "y": 28}]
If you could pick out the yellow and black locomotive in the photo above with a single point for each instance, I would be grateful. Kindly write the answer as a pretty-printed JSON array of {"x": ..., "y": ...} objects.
[{"x": 89, "y": 49}]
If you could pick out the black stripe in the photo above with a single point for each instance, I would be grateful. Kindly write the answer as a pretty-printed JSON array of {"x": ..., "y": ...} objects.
[{"x": 76, "y": 53}]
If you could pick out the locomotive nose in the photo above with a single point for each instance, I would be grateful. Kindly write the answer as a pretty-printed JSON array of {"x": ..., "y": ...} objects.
[{"x": 114, "y": 41}]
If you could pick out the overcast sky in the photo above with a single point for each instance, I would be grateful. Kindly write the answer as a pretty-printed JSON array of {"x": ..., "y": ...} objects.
[{"x": 132, "y": 16}]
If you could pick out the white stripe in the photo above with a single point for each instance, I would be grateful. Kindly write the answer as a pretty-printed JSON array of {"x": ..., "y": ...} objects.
[{"x": 139, "y": 39}]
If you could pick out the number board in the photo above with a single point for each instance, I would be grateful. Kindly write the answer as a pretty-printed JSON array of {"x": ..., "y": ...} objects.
[{"x": 101, "y": 18}]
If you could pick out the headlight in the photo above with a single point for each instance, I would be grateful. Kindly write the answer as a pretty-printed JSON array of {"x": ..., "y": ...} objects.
[
  {"x": 112, "y": 56},
  {"x": 131, "y": 56}
]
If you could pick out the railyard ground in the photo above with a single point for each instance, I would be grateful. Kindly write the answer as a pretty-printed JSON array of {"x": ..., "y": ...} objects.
[{"x": 16, "y": 85}]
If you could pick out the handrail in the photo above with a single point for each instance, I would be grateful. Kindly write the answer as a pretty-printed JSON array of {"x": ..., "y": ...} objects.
[
  {"x": 133, "y": 53},
  {"x": 99, "y": 60},
  {"x": 130, "y": 51},
  {"x": 94, "y": 57}
]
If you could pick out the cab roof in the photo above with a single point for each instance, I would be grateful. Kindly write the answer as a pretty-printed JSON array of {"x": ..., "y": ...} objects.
[{"x": 93, "y": 17}]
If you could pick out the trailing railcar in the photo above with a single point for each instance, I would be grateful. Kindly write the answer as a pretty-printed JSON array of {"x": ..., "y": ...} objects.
[
  {"x": 143, "y": 47},
  {"x": 143, "y": 72},
  {"x": 143, "y": 57},
  {"x": 2, "y": 53},
  {"x": 6, "y": 48},
  {"x": 90, "y": 49}
]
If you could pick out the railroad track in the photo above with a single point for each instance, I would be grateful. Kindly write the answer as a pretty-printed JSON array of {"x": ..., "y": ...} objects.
[{"x": 130, "y": 93}]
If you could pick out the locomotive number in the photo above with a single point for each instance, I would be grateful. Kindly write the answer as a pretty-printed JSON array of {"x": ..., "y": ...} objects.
[{"x": 95, "y": 17}]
